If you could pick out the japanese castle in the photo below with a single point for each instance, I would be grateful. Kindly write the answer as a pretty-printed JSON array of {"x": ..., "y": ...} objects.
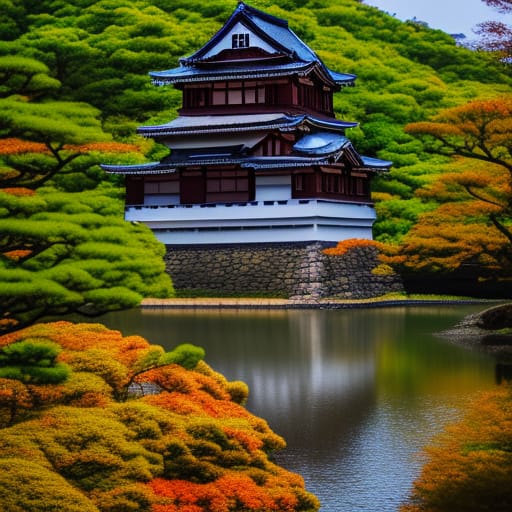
[{"x": 256, "y": 154}]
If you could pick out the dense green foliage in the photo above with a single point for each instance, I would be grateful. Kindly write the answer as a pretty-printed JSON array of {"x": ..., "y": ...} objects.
[
  {"x": 65, "y": 248},
  {"x": 32, "y": 361},
  {"x": 66, "y": 252},
  {"x": 406, "y": 71}
]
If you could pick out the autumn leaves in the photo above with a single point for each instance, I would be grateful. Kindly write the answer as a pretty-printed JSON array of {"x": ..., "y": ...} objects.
[{"x": 94, "y": 439}]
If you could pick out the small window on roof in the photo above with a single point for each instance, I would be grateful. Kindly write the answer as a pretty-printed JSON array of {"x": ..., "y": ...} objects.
[{"x": 240, "y": 40}]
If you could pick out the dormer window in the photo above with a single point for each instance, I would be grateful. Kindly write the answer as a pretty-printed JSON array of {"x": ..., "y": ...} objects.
[{"x": 240, "y": 40}]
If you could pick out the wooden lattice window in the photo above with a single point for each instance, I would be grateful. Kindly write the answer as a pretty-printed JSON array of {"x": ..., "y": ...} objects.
[{"x": 240, "y": 40}]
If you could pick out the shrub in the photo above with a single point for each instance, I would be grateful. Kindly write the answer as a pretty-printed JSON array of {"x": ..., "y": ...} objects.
[{"x": 351, "y": 243}]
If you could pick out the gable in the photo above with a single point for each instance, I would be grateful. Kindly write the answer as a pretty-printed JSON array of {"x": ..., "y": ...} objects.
[{"x": 239, "y": 36}]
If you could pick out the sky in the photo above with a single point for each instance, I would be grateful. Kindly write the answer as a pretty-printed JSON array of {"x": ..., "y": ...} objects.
[{"x": 452, "y": 16}]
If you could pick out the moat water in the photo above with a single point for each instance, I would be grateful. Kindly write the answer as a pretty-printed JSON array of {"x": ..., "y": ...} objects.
[{"x": 356, "y": 393}]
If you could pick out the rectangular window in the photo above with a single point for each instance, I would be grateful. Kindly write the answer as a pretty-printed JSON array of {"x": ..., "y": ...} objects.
[
  {"x": 235, "y": 97},
  {"x": 228, "y": 186},
  {"x": 219, "y": 97},
  {"x": 240, "y": 40},
  {"x": 261, "y": 95},
  {"x": 161, "y": 187},
  {"x": 231, "y": 93},
  {"x": 213, "y": 185},
  {"x": 150, "y": 188},
  {"x": 250, "y": 96},
  {"x": 169, "y": 187}
]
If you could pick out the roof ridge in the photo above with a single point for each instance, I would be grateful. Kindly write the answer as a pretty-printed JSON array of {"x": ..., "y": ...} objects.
[{"x": 242, "y": 6}]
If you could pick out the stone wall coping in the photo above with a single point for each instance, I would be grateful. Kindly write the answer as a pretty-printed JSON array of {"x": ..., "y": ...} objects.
[{"x": 302, "y": 303}]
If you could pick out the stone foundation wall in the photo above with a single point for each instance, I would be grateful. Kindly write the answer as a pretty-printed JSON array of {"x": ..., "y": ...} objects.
[
  {"x": 356, "y": 275},
  {"x": 296, "y": 271}
]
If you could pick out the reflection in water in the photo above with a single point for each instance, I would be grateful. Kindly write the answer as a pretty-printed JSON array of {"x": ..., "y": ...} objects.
[{"x": 355, "y": 393}]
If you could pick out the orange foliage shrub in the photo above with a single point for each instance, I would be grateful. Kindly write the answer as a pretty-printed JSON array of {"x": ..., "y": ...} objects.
[
  {"x": 470, "y": 467},
  {"x": 185, "y": 446},
  {"x": 229, "y": 493},
  {"x": 472, "y": 225},
  {"x": 352, "y": 243}
]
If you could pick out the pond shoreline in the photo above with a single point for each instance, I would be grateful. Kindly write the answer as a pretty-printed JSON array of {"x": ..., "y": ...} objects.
[
  {"x": 488, "y": 331},
  {"x": 273, "y": 303}
]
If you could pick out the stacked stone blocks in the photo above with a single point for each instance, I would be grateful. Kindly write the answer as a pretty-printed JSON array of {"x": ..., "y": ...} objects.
[{"x": 300, "y": 271}]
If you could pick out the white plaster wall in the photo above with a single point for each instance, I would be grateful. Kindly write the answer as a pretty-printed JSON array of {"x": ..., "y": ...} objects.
[
  {"x": 161, "y": 199},
  {"x": 273, "y": 188}
]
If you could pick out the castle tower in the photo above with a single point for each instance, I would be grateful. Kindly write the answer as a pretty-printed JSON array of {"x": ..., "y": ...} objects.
[{"x": 256, "y": 153}]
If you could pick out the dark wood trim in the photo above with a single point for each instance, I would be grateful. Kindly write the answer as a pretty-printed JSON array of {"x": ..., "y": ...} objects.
[
  {"x": 134, "y": 189},
  {"x": 324, "y": 185},
  {"x": 192, "y": 187}
]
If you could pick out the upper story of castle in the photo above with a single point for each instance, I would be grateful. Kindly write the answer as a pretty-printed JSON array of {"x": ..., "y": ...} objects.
[{"x": 254, "y": 64}]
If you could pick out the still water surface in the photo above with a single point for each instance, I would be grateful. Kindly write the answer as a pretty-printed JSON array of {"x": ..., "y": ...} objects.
[{"x": 355, "y": 393}]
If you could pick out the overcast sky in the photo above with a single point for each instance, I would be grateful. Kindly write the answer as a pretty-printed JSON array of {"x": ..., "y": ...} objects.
[{"x": 452, "y": 16}]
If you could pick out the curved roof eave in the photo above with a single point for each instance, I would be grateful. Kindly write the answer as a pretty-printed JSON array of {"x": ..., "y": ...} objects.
[
  {"x": 333, "y": 124},
  {"x": 147, "y": 168},
  {"x": 199, "y": 125},
  {"x": 342, "y": 78},
  {"x": 244, "y": 162},
  {"x": 321, "y": 143},
  {"x": 184, "y": 74},
  {"x": 376, "y": 164}
]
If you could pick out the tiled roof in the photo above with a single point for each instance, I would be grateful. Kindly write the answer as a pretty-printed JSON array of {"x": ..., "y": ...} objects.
[
  {"x": 321, "y": 148},
  {"x": 275, "y": 32},
  {"x": 257, "y": 163},
  {"x": 147, "y": 168},
  {"x": 239, "y": 123},
  {"x": 244, "y": 162},
  {"x": 188, "y": 74},
  {"x": 321, "y": 143},
  {"x": 376, "y": 162}
]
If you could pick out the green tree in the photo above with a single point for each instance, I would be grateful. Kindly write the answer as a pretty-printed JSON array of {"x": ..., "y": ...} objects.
[
  {"x": 33, "y": 361},
  {"x": 41, "y": 137},
  {"x": 63, "y": 128},
  {"x": 25, "y": 76},
  {"x": 62, "y": 253}
]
